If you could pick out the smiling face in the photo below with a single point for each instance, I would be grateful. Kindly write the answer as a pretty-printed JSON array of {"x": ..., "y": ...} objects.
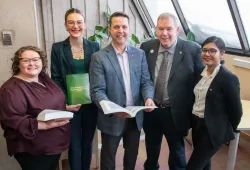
[
  {"x": 75, "y": 25},
  {"x": 211, "y": 55},
  {"x": 30, "y": 64},
  {"x": 167, "y": 31},
  {"x": 119, "y": 30}
]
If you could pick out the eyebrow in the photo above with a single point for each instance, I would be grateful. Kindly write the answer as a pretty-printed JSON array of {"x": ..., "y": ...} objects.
[{"x": 73, "y": 20}]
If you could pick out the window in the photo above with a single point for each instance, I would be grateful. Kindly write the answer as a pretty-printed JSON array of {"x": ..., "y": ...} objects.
[
  {"x": 243, "y": 6},
  {"x": 156, "y": 7},
  {"x": 207, "y": 18}
]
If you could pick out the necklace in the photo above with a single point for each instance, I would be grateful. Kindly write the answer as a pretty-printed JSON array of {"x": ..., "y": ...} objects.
[{"x": 78, "y": 53}]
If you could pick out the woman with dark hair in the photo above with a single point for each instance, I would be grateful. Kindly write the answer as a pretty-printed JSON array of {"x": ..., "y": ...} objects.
[
  {"x": 72, "y": 56},
  {"x": 217, "y": 109},
  {"x": 35, "y": 145}
]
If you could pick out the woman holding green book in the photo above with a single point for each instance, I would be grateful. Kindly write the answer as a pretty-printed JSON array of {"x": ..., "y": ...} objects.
[{"x": 70, "y": 60}]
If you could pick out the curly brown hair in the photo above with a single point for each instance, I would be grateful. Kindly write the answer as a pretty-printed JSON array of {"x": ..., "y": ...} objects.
[{"x": 16, "y": 59}]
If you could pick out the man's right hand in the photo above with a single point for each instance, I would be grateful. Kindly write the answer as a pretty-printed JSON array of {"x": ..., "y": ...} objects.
[
  {"x": 73, "y": 108},
  {"x": 122, "y": 114}
]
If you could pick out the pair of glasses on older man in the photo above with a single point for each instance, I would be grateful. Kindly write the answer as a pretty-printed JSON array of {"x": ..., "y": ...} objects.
[
  {"x": 28, "y": 60},
  {"x": 211, "y": 51}
]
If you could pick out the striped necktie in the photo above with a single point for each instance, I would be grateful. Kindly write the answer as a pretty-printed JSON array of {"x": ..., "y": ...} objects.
[{"x": 161, "y": 79}]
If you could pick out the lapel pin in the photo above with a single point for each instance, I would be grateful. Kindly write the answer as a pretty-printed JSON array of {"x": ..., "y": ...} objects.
[
  {"x": 210, "y": 89},
  {"x": 151, "y": 51},
  {"x": 180, "y": 52}
]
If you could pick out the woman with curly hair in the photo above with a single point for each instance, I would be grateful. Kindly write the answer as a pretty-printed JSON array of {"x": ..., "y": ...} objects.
[{"x": 36, "y": 145}]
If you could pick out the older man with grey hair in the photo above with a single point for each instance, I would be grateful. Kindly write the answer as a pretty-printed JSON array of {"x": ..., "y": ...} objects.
[{"x": 173, "y": 65}]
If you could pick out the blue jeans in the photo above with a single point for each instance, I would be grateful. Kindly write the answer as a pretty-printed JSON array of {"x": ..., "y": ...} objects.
[{"x": 83, "y": 127}]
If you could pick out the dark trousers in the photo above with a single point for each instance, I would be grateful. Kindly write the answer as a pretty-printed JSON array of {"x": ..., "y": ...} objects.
[
  {"x": 156, "y": 124},
  {"x": 37, "y": 162},
  {"x": 131, "y": 138},
  {"x": 203, "y": 147},
  {"x": 83, "y": 127}
]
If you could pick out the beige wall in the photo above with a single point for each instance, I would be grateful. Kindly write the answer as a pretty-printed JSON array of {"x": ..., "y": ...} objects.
[
  {"x": 19, "y": 17},
  {"x": 242, "y": 73}
]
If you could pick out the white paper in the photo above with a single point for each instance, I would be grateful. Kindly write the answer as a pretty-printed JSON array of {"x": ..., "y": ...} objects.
[
  {"x": 109, "y": 107},
  {"x": 48, "y": 114}
]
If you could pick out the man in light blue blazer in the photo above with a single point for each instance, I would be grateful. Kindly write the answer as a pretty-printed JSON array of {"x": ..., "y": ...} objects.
[{"x": 119, "y": 73}]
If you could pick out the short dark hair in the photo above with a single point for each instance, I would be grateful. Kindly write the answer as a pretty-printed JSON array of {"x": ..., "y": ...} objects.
[
  {"x": 16, "y": 59},
  {"x": 220, "y": 44},
  {"x": 118, "y": 14},
  {"x": 71, "y": 11}
]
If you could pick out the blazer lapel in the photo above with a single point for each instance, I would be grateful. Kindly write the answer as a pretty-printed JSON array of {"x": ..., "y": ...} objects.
[
  {"x": 152, "y": 57},
  {"x": 115, "y": 63},
  {"x": 67, "y": 54},
  {"x": 178, "y": 55},
  {"x": 87, "y": 53},
  {"x": 132, "y": 65}
]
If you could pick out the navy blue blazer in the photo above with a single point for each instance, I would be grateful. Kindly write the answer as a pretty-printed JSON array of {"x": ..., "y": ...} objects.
[{"x": 223, "y": 109}]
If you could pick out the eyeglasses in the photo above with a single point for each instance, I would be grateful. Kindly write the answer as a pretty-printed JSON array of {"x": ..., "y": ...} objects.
[
  {"x": 72, "y": 23},
  {"x": 211, "y": 51},
  {"x": 28, "y": 60}
]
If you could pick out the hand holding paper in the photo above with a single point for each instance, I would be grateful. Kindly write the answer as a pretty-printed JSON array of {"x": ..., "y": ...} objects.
[
  {"x": 48, "y": 114},
  {"x": 149, "y": 102},
  {"x": 109, "y": 107},
  {"x": 52, "y": 124}
]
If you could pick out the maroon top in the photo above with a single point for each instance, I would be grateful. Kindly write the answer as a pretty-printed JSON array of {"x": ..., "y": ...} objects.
[{"x": 20, "y": 103}]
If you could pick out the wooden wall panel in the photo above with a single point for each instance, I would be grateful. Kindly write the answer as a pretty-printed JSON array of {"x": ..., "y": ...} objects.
[
  {"x": 92, "y": 15},
  {"x": 116, "y": 5},
  {"x": 132, "y": 22},
  {"x": 103, "y": 7},
  {"x": 81, "y": 5},
  {"x": 93, "y": 10},
  {"x": 59, "y": 8},
  {"x": 48, "y": 27}
]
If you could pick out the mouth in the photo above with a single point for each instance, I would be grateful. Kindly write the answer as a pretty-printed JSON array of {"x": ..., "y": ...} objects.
[
  {"x": 76, "y": 31},
  {"x": 119, "y": 36},
  {"x": 164, "y": 38},
  {"x": 207, "y": 59},
  {"x": 31, "y": 69}
]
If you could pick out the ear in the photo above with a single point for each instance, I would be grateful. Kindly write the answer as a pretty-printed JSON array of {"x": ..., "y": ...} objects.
[
  {"x": 178, "y": 30},
  {"x": 65, "y": 24},
  {"x": 222, "y": 55}
]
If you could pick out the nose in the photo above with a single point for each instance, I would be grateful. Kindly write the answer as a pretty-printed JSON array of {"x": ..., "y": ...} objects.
[
  {"x": 31, "y": 62},
  {"x": 120, "y": 29},
  {"x": 75, "y": 25},
  {"x": 165, "y": 32}
]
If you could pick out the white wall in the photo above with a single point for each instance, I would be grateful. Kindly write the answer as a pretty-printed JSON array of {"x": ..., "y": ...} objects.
[{"x": 19, "y": 17}]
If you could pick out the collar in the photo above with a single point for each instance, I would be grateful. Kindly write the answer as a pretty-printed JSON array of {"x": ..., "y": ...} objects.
[
  {"x": 170, "y": 50},
  {"x": 117, "y": 52},
  {"x": 216, "y": 70}
]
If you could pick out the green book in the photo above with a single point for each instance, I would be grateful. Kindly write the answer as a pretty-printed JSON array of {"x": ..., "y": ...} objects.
[{"x": 78, "y": 89}]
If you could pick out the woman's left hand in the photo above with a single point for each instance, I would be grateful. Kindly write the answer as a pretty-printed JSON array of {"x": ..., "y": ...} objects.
[
  {"x": 73, "y": 108},
  {"x": 52, "y": 124}
]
